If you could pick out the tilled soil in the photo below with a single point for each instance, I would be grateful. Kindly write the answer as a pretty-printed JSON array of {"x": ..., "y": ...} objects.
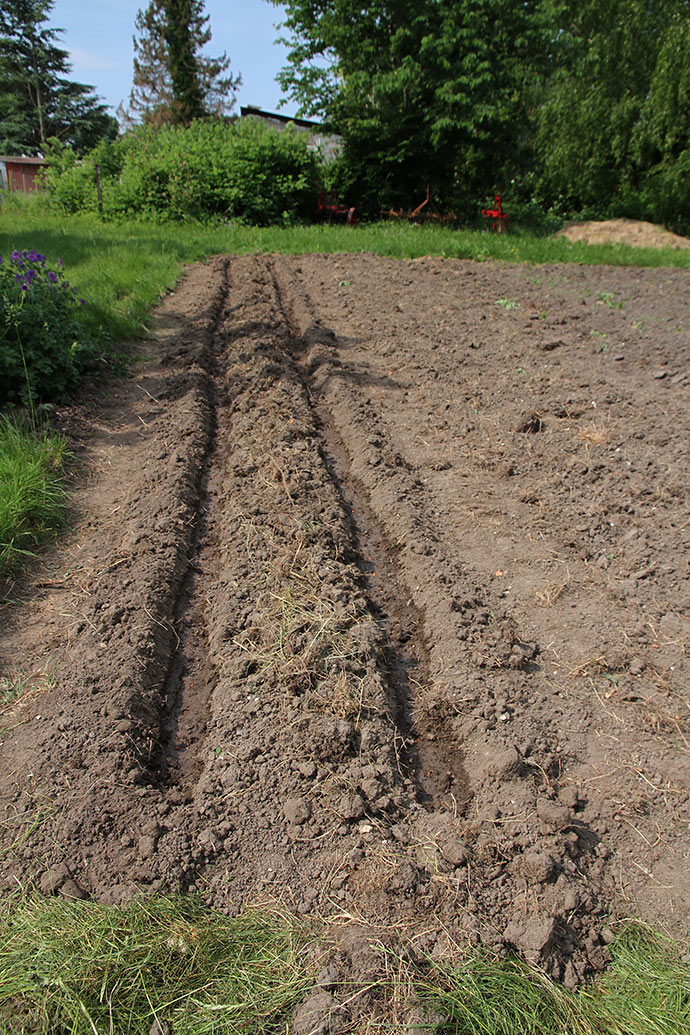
[{"x": 376, "y": 607}]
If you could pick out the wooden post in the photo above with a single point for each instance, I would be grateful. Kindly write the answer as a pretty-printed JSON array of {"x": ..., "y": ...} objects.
[{"x": 99, "y": 192}]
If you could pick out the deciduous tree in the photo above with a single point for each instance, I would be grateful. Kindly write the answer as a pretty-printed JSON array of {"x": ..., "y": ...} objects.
[{"x": 423, "y": 91}]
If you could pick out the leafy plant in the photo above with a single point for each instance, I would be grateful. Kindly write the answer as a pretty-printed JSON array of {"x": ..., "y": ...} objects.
[
  {"x": 209, "y": 170},
  {"x": 42, "y": 346}
]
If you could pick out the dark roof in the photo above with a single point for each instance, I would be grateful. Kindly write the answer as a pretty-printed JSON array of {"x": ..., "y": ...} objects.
[{"x": 307, "y": 123}]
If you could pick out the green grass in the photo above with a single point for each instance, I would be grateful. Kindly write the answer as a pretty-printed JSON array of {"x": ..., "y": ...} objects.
[
  {"x": 645, "y": 992},
  {"x": 32, "y": 495},
  {"x": 122, "y": 269},
  {"x": 79, "y": 968}
]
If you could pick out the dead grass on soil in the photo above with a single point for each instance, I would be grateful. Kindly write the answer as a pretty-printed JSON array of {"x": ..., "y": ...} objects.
[
  {"x": 301, "y": 636},
  {"x": 637, "y": 233}
]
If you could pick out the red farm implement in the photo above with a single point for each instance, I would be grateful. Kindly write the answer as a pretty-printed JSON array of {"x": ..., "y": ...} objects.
[
  {"x": 499, "y": 219},
  {"x": 332, "y": 212},
  {"x": 421, "y": 214}
]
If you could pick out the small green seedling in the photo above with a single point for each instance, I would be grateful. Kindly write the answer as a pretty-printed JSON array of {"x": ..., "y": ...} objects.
[
  {"x": 607, "y": 298},
  {"x": 507, "y": 303}
]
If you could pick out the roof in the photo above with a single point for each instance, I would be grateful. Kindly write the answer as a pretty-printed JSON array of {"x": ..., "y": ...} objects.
[
  {"x": 250, "y": 110},
  {"x": 22, "y": 159}
]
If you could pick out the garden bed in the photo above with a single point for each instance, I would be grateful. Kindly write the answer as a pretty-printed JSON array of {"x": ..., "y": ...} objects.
[{"x": 376, "y": 607}]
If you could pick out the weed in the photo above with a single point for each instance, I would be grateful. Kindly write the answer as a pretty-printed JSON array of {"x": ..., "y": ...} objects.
[
  {"x": 17, "y": 684},
  {"x": 12, "y": 687},
  {"x": 507, "y": 303},
  {"x": 608, "y": 298}
]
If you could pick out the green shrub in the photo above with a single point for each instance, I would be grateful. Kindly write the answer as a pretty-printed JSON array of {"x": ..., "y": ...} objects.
[
  {"x": 42, "y": 343},
  {"x": 241, "y": 170}
]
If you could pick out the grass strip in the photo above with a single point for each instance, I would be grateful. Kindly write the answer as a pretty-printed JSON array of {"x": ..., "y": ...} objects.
[
  {"x": 32, "y": 496},
  {"x": 75, "y": 968},
  {"x": 81, "y": 967},
  {"x": 121, "y": 269},
  {"x": 645, "y": 992}
]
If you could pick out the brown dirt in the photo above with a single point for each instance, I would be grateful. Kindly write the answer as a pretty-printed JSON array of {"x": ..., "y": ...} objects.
[
  {"x": 635, "y": 232},
  {"x": 375, "y": 605}
]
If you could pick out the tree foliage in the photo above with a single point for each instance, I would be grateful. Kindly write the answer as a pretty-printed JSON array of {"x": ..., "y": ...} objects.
[
  {"x": 424, "y": 93},
  {"x": 577, "y": 105},
  {"x": 37, "y": 99},
  {"x": 174, "y": 81}
]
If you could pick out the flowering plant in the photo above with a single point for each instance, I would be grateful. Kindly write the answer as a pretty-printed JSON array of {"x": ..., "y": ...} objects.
[{"x": 43, "y": 348}]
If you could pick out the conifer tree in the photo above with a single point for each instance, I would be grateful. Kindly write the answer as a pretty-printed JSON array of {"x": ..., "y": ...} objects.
[
  {"x": 174, "y": 81},
  {"x": 37, "y": 100}
]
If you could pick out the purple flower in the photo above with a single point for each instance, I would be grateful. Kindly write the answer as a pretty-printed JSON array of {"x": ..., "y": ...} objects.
[
  {"x": 52, "y": 277},
  {"x": 60, "y": 263},
  {"x": 16, "y": 257},
  {"x": 24, "y": 287},
  {"x": 82, "y": 302}
]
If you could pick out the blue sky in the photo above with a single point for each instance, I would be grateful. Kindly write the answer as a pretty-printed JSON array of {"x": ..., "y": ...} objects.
[{"x": 98, "y": 37}]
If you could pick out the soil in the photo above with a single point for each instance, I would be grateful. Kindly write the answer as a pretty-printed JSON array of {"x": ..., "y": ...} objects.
[
  {"x": 375, "y": 606},
  {"x": 635, "y": 232}
]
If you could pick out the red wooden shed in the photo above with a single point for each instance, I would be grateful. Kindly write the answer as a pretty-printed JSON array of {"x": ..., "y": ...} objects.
[{"x": 19, "y": 173}]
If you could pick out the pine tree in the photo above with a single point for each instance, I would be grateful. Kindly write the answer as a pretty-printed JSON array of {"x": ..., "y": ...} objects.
[
  {"x": 37, "y": 100},
  {"x": 188, "y": 102},
  {"x": 173, "y": 80}
]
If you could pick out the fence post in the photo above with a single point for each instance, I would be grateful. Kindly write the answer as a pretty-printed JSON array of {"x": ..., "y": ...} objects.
[{"x": 99, "y": 192}]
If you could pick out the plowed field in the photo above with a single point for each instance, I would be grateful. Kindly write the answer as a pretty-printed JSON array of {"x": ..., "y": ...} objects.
[{"x": 376, "y": 605}]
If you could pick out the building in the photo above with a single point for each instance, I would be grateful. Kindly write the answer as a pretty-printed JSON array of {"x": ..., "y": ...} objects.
[
  {"x": 328, "y": 143},
  {"x": 20, "y": 173}
]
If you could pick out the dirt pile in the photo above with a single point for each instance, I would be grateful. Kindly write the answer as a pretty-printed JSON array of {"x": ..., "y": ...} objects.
[
  {"x": 635, "y": 232},
  {"x": 375, "y": 606}
]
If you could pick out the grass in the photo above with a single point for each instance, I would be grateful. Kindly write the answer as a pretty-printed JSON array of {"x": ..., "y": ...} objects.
[
  {"x": 122, "y": 269},
  {"x": 79, "y": 968},
  {"x": 32, "y": 496},
  {"x": 645, "y": 992}
]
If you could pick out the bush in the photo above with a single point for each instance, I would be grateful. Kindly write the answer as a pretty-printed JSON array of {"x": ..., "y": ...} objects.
[
  {"x": 42, "y": 342},
  {"x": 241, "y": 170}
]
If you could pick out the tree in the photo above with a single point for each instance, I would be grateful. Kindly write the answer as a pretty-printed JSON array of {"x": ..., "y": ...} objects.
[
  {"x": 37, "y": 100},
  {"x": 188, "y": 100},
  {"x": 423, "y": 91},
  {"x": 604, "y": 106},
  {"x": 174, "y": 81}
]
